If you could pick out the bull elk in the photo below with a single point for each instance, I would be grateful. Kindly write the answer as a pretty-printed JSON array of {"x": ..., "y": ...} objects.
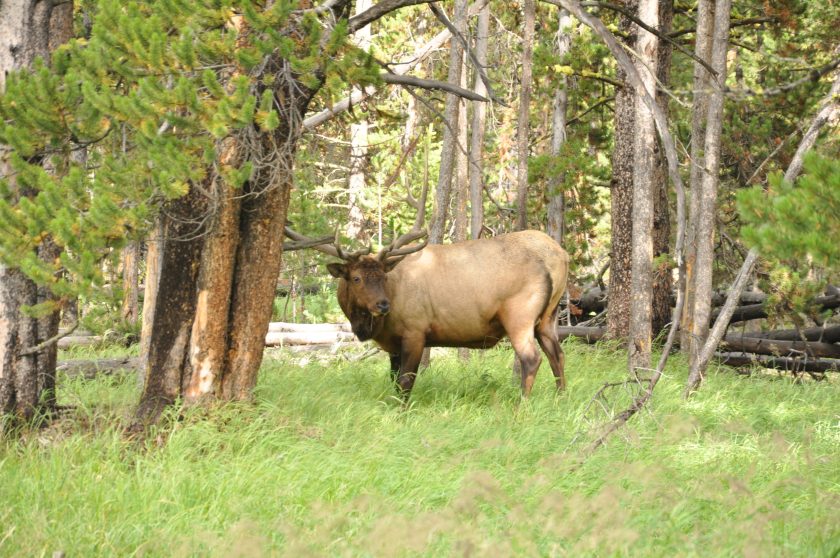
[{"x": 468, "y": 294}]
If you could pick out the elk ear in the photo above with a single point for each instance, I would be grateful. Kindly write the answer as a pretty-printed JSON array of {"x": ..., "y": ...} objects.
[{"x": 337, "y": 270}]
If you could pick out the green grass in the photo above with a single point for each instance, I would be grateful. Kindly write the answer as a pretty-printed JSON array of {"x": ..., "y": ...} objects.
[{"x": 326, "y": 462}]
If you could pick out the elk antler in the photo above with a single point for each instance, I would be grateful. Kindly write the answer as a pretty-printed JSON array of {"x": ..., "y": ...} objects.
[
  {"x": 396, "y": 250},
  {"x": 322, "y": 245}
]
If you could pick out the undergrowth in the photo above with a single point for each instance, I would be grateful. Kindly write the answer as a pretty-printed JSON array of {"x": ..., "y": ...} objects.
[{"x": 327, "y": 462}]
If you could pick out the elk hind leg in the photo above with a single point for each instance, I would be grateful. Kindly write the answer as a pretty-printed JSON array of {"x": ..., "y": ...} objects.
[
  {"x": 546, "y": 335},
  {"x": 529, "y": 357}
]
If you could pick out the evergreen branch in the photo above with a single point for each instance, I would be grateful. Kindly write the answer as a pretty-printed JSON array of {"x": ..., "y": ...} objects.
[
  {"x": 469, "y": 50},
  {"x": 664, "y": 36},
  {"x": 433, "y": 84},
  {"x": 49, "y": 342}
]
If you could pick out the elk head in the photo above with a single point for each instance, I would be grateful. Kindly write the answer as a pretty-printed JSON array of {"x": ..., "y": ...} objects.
[
  {"x": 365, "y": 275},
  {"x": 362, "y": 294}
]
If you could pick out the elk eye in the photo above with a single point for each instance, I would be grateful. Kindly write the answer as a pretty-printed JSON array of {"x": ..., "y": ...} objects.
[{"x": 357, "y": 279}]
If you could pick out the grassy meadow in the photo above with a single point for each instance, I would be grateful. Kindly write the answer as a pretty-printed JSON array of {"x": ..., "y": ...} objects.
[{"x": 327, "y": 462}]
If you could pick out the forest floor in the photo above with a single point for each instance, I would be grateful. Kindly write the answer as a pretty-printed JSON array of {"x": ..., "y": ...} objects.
[{"x": 327, "y": 462}]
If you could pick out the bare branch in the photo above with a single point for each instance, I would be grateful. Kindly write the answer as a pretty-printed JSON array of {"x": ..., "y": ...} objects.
[
  {"x": 468, "y": 49},
  {"x": 432, "y": 84},
  {"x": 49, "y": 342},
  {"x": 379, "y": 10}
]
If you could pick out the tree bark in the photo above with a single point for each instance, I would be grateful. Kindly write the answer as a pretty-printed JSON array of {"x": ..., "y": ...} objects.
[
  {"x": 523, "y": 125},
  {"x": 479, "y": 119},
  {"x": 174, "y": 307},
  {"x": 643, "y": 188},
  {"x": 130, "y": 277},
  {"x": 154, "y": 255},
  {"x": 208, "y": 338},
  {"x": 621, "y": 198},
  {"x": 662, "y": 282},
  {"x": 28, "y": 29},
  {"x": 706, "y": 210},
  {"x": 443, "y": 192},
  {"x": 555, "y": 213},
  {"x": 699, "y": 113}
]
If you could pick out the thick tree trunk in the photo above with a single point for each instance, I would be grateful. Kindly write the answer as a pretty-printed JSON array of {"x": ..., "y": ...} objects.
[
  {"x": 699, "y": 113},
  {"x": 443, "y": 192},
  {"x": 479, "y": 118},
  {"x": 208, "y": 340},
  {"x": 258, "y": 262},
  {"x": 662, "y": 281},
  {"x": 174, "y": 306},
  {"x": 28, "y": 29},
  {"x": 643, "y": 189},
  {"x": 523, "y": 125},
  {"x": 621, "y": 199},
  {"x": 555, "y": 214},
  {"x": 706, "y": 210}
]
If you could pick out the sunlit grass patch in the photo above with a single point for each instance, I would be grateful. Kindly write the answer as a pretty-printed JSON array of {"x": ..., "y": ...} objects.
[{"x": 328, "y": 461}]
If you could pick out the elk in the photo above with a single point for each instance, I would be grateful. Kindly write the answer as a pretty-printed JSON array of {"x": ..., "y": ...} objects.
[{"x": 468, "y": 294}]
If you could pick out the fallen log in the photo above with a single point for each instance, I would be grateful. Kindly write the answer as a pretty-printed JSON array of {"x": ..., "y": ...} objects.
[
  {"x": 275, "y": 338},
  {"x": 793, "y": 364},
  {"x": 286, "y": 326},
  {"x": 778, "y": 347},
  {"x": 757, "y": 311},
  {"x": 827, "y": 334},
  {"x": 746, "y": 298},
  {"x": 588, "y": 334},
  {"x": 78, "y": 341}
]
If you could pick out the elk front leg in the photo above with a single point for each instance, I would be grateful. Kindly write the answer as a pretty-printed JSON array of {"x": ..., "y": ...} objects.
[
  {"x": 396, "y": 360},
  {"x": 412, "y": 352}
]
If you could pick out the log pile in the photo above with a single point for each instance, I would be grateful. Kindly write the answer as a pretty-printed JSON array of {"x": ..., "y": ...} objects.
[
  {"x": 812, "y": 350},
  {"x": 281, "y": 334}
]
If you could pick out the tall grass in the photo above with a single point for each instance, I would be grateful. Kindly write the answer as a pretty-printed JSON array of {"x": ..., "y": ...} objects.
[{"x": 327, "y": 462}]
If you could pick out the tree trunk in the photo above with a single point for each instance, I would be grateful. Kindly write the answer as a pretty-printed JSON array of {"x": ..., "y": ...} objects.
[
  {"x": 643, "y": 189},
  {"x": 699, "y": 113},
  {"x": 706, "y": 209},
  {"x": 131, "y": 290},
  {"x": 443, "y": 193},
  {"x": 479, "y": 118},
  {"x": 828, "y": 108},
  {"x": 208, "y": 339},
  {"x": 662, "y": 282},
  {"x": 462, "y": 179},
  {"x": 621, "y": 198},
  {"x": 28, "y": 29},
  {"x": 523, "y": 126},
  {"x": 154, "y": 255},
  {"x": 555, "y": 214},
  {"x": 217, "y": 285},
  {"x": 358, "y": 149},
  {"x": 174, "y": 306}
]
